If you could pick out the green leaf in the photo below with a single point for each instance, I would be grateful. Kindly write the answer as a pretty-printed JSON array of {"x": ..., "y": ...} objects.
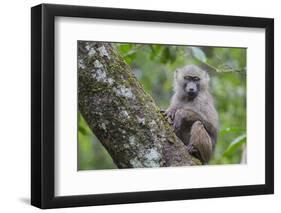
[
  {"x": 125, "y": 48},
  {"x": 235, "y": 144},
  {"x": 199, "y": 54},
  {"x": 231, "y": 130},
  {"x": 165, "y": 57},
  {"x": 82, "y": 130},
  {"x": 155, "y": 51}
]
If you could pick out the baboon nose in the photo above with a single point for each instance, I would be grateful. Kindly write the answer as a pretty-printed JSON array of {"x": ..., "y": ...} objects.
[{"x": 191, "y": 89}]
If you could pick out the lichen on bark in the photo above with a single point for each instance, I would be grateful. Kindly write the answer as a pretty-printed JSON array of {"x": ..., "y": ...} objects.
[{"x": 120, "y": 113}]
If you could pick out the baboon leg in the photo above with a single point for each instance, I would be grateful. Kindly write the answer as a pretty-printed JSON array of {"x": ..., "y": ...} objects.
[{"x": 200, "y": 143}]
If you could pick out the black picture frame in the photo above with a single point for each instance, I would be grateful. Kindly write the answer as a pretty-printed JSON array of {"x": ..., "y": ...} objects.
[{"x": 43, "y": 102}]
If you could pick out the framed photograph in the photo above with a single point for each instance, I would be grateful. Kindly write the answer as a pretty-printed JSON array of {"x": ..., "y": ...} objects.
[{"x": 139, "y": 106}]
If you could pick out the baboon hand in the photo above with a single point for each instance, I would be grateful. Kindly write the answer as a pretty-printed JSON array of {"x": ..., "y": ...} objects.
[
  {"x": 168, "y": 119},
  {"x": 170, "y": 113}
]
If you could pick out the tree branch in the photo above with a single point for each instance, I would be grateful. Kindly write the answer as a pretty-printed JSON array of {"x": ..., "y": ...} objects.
[{"x": 121, "y": 114}]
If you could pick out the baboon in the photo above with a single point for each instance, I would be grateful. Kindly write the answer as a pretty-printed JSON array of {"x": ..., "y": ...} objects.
[{"x": 192, "y": 112}]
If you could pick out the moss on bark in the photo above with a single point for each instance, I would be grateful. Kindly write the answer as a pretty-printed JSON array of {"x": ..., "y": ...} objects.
[{"x": 121, "y": 114}]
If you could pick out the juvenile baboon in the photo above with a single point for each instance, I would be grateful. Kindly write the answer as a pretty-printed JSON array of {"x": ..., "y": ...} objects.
[{"x": 192, "y": 112}]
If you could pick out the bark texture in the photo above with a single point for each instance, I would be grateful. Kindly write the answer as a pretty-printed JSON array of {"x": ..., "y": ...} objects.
[{"x": 121, "y": 114}]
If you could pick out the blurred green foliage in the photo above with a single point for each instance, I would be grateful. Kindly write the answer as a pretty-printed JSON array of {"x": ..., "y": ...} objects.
[{"x": 154, "y": 65}]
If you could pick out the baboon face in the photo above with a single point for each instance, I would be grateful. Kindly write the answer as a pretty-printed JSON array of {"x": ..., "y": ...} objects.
[
  {"x": 190, "y": 80},
  {"x": 191, "y": 86}
]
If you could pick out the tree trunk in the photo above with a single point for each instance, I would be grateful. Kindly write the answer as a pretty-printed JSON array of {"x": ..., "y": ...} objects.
[{"x": 121, "y": 114}]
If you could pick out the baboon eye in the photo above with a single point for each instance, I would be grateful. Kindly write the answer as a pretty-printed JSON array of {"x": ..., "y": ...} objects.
[
  {"x": 196, "y": 79},
  {"x": 189, "y": 78}
]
